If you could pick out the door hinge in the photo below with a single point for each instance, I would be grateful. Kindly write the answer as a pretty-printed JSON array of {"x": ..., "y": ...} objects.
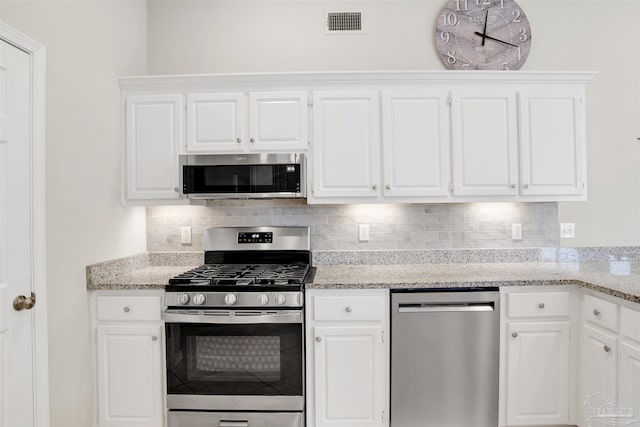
[
  {"x": 451, "y": 187},
  {"x": 382, "y": 416},
  {"x": 383, "y": 336},
  {"x": 449, "y": 100},
  {"x": 310, "y": 104}
]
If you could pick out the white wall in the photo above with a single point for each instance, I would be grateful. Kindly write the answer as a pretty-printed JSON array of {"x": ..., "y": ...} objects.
[
  {"x": 595, "y": 35},
  {"x": 89, "y": 44}
]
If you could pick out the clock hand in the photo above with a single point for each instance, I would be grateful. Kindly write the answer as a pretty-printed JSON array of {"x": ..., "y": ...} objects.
[
  {"x": 484, "y": 30},
  {"x": 493, "y": 38}
]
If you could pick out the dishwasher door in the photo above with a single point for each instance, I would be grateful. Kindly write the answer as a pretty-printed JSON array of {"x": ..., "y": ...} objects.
[{"x": 444, "y": 358}]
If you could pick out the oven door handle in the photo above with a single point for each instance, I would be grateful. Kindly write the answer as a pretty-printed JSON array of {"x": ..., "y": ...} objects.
[{"x": 217, "y": 317}]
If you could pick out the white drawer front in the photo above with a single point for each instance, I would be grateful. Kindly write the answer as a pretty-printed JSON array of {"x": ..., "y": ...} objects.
[
  {"x": 370, "y": 307},
  {"x": 600, "y": 312},
  {"x": 538, "y": 304},
  {"x": 129, "y": 308},
  {"x": 630, "y": 323}
]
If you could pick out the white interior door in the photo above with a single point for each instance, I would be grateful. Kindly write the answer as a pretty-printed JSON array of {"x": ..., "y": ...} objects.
[{"x": 17, "y": 406}]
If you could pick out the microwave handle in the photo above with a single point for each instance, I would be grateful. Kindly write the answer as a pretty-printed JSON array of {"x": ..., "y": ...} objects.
[{"x": 218, "y": 317}]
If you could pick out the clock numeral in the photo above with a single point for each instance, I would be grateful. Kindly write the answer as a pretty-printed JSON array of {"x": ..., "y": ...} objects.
[
  {"x": 483, "y": 2},
  {"x": 523, "y": 35},
  {"x": 466, "y": 66},
  {"x": 519, "y": 53},
  {"x": 466, "y": 5},
  {"x": 445, "y": 36},
  {"x": 450, "y": 19},
  {"x": 505, "y": 66},
  {"x": 517, "y": 15},
  {"x": 451, "y": 56},
  {"x": 501, "y": 4}
]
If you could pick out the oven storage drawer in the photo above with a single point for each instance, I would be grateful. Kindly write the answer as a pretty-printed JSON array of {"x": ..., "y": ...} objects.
[
  {"x": 129, "y": 308},
  {"x": 341, "y": 308},
  {"x": 234, "y": 419}
]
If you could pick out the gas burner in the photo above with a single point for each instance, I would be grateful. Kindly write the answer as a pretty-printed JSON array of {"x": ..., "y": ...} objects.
[{"x": 243, "y": 275}]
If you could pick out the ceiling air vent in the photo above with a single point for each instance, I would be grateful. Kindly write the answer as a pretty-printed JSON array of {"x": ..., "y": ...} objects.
[{"x": 344, "y": 22}]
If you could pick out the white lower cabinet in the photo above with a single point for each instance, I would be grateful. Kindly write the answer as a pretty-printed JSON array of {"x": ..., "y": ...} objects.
[
  {"x": 129, "y": 349},
  {"x": 536, "y": 349},
  {"x": 347, "y": 358}
]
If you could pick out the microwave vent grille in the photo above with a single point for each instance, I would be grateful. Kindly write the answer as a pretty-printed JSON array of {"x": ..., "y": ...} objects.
[{"x": 344, "y": 22}]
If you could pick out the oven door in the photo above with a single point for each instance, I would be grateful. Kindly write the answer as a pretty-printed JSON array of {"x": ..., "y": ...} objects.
[{"x": 235, "y": 360}]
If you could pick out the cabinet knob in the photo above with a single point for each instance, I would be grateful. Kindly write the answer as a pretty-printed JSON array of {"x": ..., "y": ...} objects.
[
  {"x": 513, "y": 186},
  {"x": 596, "y": 312},
  {"x": 127, "y": 309},
  {"x": 238, "y": 140},
  {"x": 154, "y": 338},
  {"x": 541, "y": 305},
  {"x": 525, "y": 186},
  {"x": 176, "y": 189},
  {"x": 607, "y": 348},
  {"x": 374, "y": 187},
  {"x": 388, "y": 187},
  {"x": 347, "y": 309},
  {"x": 515, "y": 335},
  {"x": 251, "y": 140},
  {"x": 318, "y": 339}
]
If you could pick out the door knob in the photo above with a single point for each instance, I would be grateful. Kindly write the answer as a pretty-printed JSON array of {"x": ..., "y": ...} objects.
[{"x": 24, "y": 303}]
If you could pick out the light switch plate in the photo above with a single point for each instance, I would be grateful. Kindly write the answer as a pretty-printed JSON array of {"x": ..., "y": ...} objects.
[
  {"x": 363, "y": 232},
  {"x": 516, "y": 231},
  {"x": 185, "y": 235},
  {"x": 567, "y": 230}
]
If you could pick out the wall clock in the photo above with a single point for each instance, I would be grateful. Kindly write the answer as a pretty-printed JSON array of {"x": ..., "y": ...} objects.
[{"x": 483, "y": 35}]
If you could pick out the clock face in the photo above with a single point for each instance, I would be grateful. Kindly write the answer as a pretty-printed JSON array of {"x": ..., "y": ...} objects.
[{"x": 483, "y": 35}]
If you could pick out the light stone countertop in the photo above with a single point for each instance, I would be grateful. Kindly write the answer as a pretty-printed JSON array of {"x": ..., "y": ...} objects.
[{"x": 617, "y": 278}]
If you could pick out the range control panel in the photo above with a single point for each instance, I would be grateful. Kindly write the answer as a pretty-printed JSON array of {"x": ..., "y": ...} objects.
[{"x": 259, "y": 237}]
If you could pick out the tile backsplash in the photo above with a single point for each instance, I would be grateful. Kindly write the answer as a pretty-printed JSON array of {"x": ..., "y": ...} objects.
[{"x": 392, "y": 226}]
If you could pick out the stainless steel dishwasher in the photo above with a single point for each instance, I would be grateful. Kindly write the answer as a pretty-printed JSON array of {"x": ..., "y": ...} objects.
[{"x": 444, "y": 357}]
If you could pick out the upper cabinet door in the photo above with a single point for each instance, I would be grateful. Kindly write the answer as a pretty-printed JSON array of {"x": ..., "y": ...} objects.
[
  {"x": 346, "y": 144},
  {"x": 485, "y": 141},
  {"x": 216, "y": 123},
  {"x": 278, "y": 121},
  {"x": 415, "y": 141},
  {"x": 552, "y": 141},
  {"x": 153, "y": 133}
]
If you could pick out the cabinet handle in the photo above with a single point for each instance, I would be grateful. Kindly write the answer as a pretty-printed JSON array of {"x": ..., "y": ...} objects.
[
  {"x": 515, "y": 335},
  {"x": 238, "y": 140},
  {"x": 375, "y": 187},
  {"x": 596, "y": 312},
  {"x": 251, "y": 140},
  {"x": 154, "y": 338},
  {"x": 348, "y": 309},
  {"x": 607, "y": 348},
  {"x": 127, "y": 309},
  {"x": 318, "y": 339},
  {"x": 541, "y": 305}
]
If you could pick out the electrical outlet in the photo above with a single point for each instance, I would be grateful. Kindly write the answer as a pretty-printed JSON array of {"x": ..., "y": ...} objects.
[
  {"x": 567, "y": 230},
  {"x": 363, "y": 232},
  {"x": 516, "y": 231},
  {"x": 185, "y": 235}
]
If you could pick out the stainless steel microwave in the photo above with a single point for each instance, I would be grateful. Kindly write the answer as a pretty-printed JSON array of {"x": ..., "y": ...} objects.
[{"x": 244, "y": 176}]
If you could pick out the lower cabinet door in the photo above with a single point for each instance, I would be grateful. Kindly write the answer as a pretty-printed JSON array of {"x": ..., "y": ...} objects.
[
  {"x": 130, "y": 391},
  {"x": 349, "y": 383},
  {"x": 599, "y": 374},
  {"x": 537, "y": 373},
  {"x": 629, "y": 384}
]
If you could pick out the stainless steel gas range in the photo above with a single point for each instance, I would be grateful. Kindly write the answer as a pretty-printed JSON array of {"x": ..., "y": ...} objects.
[{"x": 234, "y": 331}]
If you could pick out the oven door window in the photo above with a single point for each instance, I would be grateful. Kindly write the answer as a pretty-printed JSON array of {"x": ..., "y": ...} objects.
[{"x": 246, "y": 360}]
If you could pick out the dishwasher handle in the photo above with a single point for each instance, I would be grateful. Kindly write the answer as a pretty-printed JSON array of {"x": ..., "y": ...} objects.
[{"x": 446, "y": 307}]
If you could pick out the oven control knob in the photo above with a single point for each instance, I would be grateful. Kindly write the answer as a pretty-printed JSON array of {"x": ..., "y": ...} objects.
[
  {"x": 230, "y": 299},
  {"x": 183, "y": 299},
  {"x": 280, "y": 299},
  {"x": 263, "y": 299},
  {"x": 199, "y": 299}
]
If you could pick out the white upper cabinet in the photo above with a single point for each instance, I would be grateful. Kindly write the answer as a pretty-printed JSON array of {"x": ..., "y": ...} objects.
[
  {"x": 221, "y": 122},
  {"x": 153, "y": 132},
  {"x": 484, "y": 141},
  {"x": 278, "y": 121},
  {"x": 552, "y": 141},
  {"x": 415, "y": 141},
  {"x": 216, "y": 123},
  {"x": 346, "y": 144}
]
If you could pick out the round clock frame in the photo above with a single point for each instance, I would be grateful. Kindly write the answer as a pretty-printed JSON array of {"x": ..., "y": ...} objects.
[{"x": 483, "y": 35}]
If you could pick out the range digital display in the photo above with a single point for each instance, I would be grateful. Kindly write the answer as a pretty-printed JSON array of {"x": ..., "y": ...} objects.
[{"x": 261, "y": 237}]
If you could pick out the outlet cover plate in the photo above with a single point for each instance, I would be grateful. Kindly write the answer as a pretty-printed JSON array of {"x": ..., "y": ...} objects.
[{"x": 567, "y": 230}]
